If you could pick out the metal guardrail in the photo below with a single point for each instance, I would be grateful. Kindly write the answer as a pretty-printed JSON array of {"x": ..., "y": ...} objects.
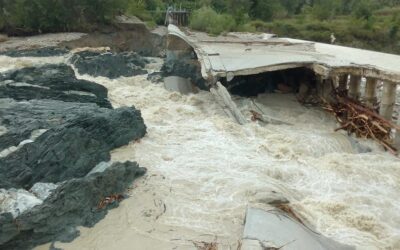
[{"x": 177, "y": 17}]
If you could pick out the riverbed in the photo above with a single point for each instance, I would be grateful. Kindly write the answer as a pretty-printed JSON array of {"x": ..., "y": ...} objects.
[{"x": 204, "y": 170}]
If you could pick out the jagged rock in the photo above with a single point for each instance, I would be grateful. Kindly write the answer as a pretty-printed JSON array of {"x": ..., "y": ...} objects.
[
  {"x": 57, "y": 82},
  {"x": 21, "y": 119},
  {"x": 17, "y": 201},
  {"x": 72, "y": 204},
  {"x": 72, "y": 148},
  {"x": 55, "y": 128},
  {"x": 111, "y": 65},
  {"x": 43, "y": 190},
  {"x": 40, "y": 52},
  {"x": 155, "y": 77},
  {"x": 186, "y": 66}
]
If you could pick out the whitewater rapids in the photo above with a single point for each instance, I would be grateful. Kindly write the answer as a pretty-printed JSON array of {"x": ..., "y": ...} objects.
[{"x": 204, "y": 170}]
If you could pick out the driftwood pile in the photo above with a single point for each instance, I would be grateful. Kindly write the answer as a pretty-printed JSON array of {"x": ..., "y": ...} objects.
[{"x": 364, "y": 122}]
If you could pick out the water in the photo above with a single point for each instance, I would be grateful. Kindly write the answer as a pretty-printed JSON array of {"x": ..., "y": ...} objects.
[{"x": 204, "y": 170}]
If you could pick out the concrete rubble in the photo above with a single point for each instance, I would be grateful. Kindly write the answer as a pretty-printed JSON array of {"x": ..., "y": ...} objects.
[{"x": 274, "y": 229}]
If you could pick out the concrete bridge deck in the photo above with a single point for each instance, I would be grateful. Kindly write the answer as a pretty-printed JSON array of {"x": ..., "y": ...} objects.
[
  {"x": 245, "y": 54},
  {"x": 242, "y": 54}
]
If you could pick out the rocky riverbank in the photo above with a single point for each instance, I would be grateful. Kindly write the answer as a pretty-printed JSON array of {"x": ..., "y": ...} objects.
[{"x": 56, "y": 134}]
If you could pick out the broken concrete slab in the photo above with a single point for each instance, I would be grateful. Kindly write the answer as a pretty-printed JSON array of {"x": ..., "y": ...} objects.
[
  {"x": 223, "y": 97},
  {"x": 274, "y": 229},
  {"x": 241, "y": 54}
]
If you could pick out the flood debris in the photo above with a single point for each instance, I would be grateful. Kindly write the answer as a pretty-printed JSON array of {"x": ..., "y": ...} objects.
[
  {"x": 249, "y": 64},
  {"x": 202, "y": 245},
  {"x": 104, "y": 202},
  {"x": 255, "y": 116},
  {"x": 362, "y": 121}
]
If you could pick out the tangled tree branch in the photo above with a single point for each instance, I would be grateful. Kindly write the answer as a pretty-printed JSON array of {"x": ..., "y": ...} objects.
[{"x": 360, "y": 120}]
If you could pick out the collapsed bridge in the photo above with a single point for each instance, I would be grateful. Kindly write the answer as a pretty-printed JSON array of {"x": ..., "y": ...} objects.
[{"x": 249, "y": 63}]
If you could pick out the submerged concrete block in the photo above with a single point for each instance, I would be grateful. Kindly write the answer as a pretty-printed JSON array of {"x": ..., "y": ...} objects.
[
  {"x": 179, "y": 84},
  {"x": 276, "y": 229}
]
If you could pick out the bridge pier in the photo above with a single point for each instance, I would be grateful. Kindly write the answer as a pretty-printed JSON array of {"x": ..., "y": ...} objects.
[
  {"x": 388, "y": 100},
  {"x": 343, "y": 82},
  {"x": 370, "y": 92},
  {"x": 324, "y": 88},
  {"x": 355, "y": 87}
]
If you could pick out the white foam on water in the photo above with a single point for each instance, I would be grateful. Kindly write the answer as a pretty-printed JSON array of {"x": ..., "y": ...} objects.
[
  {"x": 13, "y": 63},
  {"x": 204, "y": 170}
]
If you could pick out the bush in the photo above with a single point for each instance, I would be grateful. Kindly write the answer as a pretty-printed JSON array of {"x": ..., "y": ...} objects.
[
  {"x": 206, "y": 19},
  {"x": 260, "y": 26},
  {"x": 150, "y": 11}
]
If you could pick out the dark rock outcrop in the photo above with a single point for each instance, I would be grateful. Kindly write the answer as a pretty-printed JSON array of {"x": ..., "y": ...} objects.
[
  {"x": 72, "y": 204},
  {"x": 70, "y": 149},
  {"x": 57, "y": 82},
  {"x": 182, "y": 61},
  {"x": 155, "y": 77},
  {"x": 55, "y": 128},
  {"x": 40, "y": 52},
  {"x": 111, "y": 65}
]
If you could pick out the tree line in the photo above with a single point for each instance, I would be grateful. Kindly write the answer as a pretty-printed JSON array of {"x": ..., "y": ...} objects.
[{"x": 372, "y": 24}]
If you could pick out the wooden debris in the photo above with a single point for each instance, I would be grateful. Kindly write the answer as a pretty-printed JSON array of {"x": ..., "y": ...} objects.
[
  {"x": 202, "y": 245},
  {"x": 260, "y": 116},
  {"x": 289, "y": 211},
  {"x": 255, "y": 116},
  {"x": 364, "y": 122},
  {"x": 110, "y": 199}
]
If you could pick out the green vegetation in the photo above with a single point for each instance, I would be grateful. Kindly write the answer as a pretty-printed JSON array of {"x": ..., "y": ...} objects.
[
  {"x": 210, "y": 21},
  {"x": 370, "y": 24},
  {"x": 32, "y": 16}
]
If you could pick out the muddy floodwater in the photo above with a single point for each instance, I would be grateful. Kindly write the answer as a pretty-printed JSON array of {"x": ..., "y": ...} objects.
[{"x": 204, "y": 170}]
